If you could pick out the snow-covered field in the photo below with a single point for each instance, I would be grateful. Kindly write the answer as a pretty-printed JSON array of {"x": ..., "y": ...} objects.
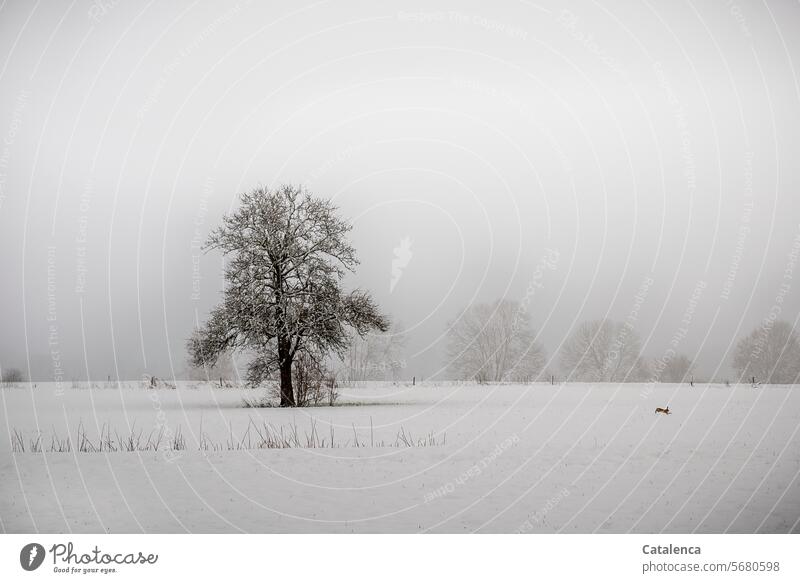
[{"x": 534, "y": 458}]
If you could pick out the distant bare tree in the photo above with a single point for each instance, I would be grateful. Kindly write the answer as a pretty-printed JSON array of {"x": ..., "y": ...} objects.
[
  {"x": 223, "y": 370},
  {"x": 287, "y": 253},
  {"x": 677, "y": 369},
  {"x": 603, "y": 351},
  {"x": 12, "y": 375},
  {"x": 771, "y": 353},
  {"x": 494, "y": 342},
  {"x": 375, "y": 356}
]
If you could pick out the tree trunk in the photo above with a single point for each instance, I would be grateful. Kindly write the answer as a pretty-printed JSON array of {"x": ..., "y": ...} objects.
[
  {"x": 284, "y": 343},
  {"x": 287, "y": 391}
]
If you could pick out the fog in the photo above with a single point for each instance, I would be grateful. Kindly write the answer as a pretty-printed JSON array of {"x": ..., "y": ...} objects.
[{"x": 651, "y": 149}]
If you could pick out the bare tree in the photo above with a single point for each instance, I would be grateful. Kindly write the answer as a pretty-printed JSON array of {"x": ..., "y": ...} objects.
[
  {"x": 12, "y": 375},
  {"x": 224, "y": 368},
  {"x": 313, "y": 380},
  {"x": 603, "y": 351},
  {"x": 494, "y": 342},
  {"x": 376, "y": 356},
  {"x": 677, "y": 369},
  {"x": 770, "y": 353},
  {"x": 287, "y": 253}
]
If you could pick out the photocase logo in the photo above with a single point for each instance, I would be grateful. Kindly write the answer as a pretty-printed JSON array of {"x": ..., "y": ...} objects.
[
  {"x": 31, "y": 556},
  {"x": 402, "y": 257}
]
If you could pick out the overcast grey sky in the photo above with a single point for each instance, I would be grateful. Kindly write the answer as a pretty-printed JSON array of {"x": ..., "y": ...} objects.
[{"x": 651, "y": 147}]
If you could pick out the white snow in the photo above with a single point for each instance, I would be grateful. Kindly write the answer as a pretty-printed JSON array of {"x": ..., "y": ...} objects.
[{"x": 533, "y": 458}]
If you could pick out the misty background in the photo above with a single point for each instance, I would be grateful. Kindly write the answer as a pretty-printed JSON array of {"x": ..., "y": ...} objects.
[{"x": 651, "y": 149}]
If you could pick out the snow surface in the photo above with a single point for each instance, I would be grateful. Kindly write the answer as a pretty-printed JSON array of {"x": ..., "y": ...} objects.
[{"x": 533, "y": 458}]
